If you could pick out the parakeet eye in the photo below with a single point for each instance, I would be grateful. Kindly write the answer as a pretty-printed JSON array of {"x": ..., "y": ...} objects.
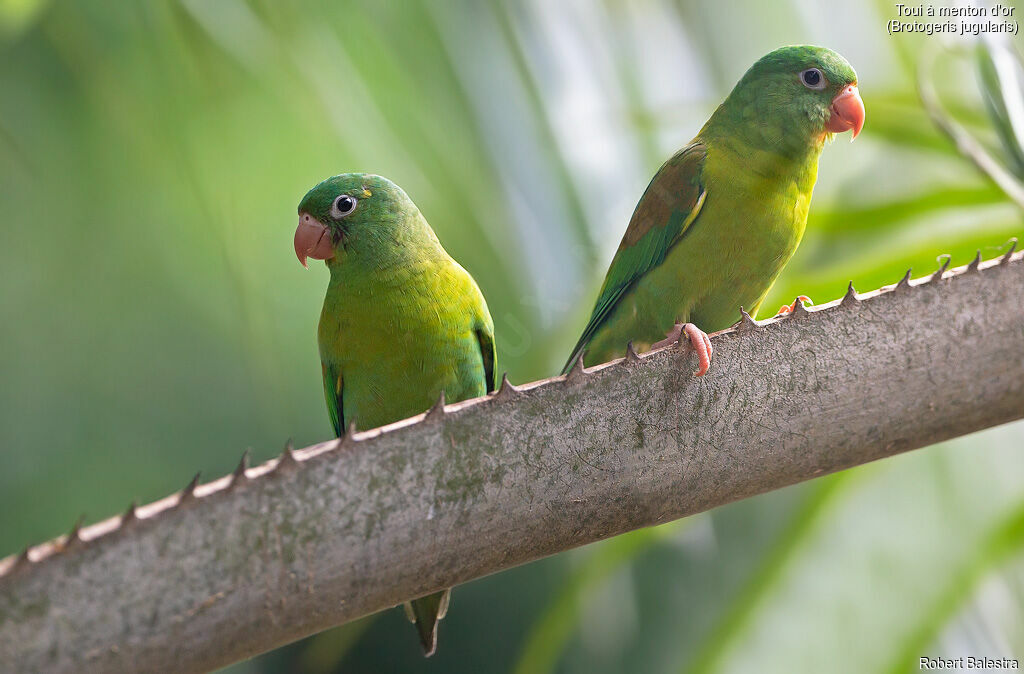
[
  {"x": 813, "y": 79},
  {"x": 342, "y": 206}
]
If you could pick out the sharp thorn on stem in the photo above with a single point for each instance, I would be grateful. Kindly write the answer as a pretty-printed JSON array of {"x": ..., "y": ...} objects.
[
  {"x": 576, "y": 371},
  {"x": 189, "y": 491},
  {"x": 239, "y": 475},
  {"x": 1009, "y": 253},
  {"x": 436, "y": 411},
  {"x": 904, "y": 283},
  {"x": 975, "y": 264},
  {"x": 850, "y": 296}
]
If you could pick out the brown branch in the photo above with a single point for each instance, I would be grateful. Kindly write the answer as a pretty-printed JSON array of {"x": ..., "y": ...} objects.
[{"x": 327, "y": 534}]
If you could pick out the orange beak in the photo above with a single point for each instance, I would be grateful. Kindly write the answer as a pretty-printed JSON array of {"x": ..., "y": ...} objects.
[
  {"x": 312, "y": 240},
  {"x": 847, "y": 112}
]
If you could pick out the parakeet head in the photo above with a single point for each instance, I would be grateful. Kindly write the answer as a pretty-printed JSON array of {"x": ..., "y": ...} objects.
[
  {"x": 357, "y": 215},
  {"x": 794, "y": 97}
]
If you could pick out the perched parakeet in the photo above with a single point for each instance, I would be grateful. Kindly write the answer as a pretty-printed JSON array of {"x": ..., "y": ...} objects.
[
  {"x": 401, "y": 322},
  {"x": 723, "y": 216}
]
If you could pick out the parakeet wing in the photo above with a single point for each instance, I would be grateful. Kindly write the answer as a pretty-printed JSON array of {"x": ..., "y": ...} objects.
[
  {"x": 485, "y": 336},
  {"x": 333, "y": 395},
  {"x": 668, "y": 207}
]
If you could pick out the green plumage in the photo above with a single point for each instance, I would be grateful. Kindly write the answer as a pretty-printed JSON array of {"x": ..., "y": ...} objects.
[
  {"x": 722, "y": 217},
  {"x": 401, "y": 322}
]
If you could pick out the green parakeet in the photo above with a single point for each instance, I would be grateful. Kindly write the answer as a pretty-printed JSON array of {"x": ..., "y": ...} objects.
[
  {"x": 401, "y": 322},
  {"x": 723, "y": 216}
]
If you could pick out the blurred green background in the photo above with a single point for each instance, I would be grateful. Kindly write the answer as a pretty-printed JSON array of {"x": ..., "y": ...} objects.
[{"x": 155, "y": 321}]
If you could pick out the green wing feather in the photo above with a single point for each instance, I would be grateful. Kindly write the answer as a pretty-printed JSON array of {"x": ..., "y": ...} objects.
[
  {"x": 332, "y": 393},
  {"x": 665, "y": 212},
  {"x": 485, "y": 336}
]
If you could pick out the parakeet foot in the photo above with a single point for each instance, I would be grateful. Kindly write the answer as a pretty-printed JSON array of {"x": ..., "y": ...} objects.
[
  {"x": 699, "y": 340},
  {"x": 787, "y": 308}
]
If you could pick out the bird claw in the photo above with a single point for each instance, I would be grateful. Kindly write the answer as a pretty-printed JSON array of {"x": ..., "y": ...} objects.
[
  {"x": 789, "y": 308},
  {"x": 698, "y": 339}
]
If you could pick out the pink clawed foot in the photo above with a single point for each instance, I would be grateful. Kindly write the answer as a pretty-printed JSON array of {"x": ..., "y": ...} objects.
[
  {"x": 787, "y": 308},
  {"x": 699, "y": 340},
  {"x": 702, "y": 345}
]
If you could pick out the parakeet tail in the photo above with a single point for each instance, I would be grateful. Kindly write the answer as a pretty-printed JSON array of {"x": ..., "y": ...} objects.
[{"x": 425, "y": 613}]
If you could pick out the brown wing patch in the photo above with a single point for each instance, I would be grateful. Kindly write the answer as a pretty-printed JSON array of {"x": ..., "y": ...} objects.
[{"x": 676, "y": 185}]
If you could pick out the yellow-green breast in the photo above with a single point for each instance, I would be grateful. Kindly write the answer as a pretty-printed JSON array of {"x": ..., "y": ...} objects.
[{"x": 391, "y": 341}]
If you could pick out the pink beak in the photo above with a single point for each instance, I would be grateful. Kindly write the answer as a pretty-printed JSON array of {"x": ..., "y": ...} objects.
[
  {"x": 847, "y": 112},
  {"x": 312, "y": 240}
]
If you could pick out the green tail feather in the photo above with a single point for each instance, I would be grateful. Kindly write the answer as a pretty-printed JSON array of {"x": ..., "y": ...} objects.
[{"x": 425, "y": 613}]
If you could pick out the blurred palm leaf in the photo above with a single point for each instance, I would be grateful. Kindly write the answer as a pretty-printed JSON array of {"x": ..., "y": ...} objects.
[
  {"x": 1002, "y": 83},
  {"x": 1000, "y": 76}
]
